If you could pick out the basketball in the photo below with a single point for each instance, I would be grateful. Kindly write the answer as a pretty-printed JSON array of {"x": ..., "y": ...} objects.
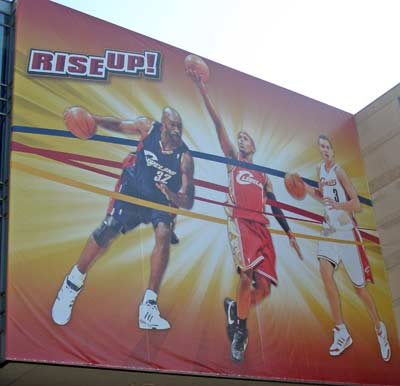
[
  {"x": 198, "y": 65},
  {"x": 295, "y": 186},
  {"x": 79, "y": 122}
]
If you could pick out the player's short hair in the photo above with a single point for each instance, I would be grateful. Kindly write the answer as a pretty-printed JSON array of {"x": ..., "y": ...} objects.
[
  {"x": 326, "y": 138},
  {"x": 249, "y": 136}
]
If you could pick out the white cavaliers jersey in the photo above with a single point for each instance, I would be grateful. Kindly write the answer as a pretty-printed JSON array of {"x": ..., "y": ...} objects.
[{"x": 330, "y": 186}]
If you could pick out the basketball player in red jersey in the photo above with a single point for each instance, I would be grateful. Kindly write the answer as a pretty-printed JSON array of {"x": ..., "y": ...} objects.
[
  {"x": 340, "y": 200},
  {"x": 249, "y": 237}
]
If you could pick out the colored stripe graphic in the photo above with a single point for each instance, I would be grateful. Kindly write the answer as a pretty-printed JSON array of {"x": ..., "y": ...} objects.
[
  {"x": 195, "y": 154},
  {"x": 133, "y": 200}
]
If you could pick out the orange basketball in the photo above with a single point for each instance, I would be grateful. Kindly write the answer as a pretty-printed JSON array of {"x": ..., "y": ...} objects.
[
  {"x": 79, "y": 122},
  {"x": 295, "y": 186},
  {"x": 198, "y": 65}
]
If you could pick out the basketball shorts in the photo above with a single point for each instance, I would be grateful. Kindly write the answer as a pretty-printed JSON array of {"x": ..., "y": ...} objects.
[
  {"x": 131, "y": 215},
  {"x": 252, "y": 248},
  {"x": 352, "y": 256}
]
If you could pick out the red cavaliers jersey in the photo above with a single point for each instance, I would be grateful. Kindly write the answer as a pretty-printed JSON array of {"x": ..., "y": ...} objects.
[{"x": 247, "y": 194}]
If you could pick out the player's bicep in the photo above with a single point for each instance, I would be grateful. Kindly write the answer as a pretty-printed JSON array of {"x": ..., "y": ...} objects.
[
  {"x": 140, "y": 125},
  {"x": 268, "y": 186},
  {"x": 348, "y": 187},
  {"x": 187, "y": 168}
]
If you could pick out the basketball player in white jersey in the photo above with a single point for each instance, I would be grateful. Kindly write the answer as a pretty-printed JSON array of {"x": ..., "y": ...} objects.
[{"x": 340, "y": 200}]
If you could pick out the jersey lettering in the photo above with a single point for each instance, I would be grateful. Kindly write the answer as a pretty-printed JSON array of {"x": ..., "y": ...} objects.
[
  {"x": 244, "y": 177},
  {"x": 163, "y": 174}
]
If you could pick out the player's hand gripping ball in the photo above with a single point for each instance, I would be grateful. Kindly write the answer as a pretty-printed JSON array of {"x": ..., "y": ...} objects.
[
  {"x": 197, "y": 65},
  {"x": 79, "y": 122},
  {"x": 295, "y": 186}
]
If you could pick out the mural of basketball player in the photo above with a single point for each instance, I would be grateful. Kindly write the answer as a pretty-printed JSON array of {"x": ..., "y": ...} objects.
[
  {"x": 162, "y": 172},
  {"x": 340, "y": 201},
  {"x": 249, "y": 237}
]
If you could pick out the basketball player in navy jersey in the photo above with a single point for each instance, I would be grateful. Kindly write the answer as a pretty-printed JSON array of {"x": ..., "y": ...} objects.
[
  {"x": 340, "y": 200},
  {"x": 162, "y": 172},
  {"x": 250, "y": 240}
]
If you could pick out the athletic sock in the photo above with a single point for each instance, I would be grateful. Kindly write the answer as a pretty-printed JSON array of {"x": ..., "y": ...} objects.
[
  {"x": 341, "y": 327},
  {"x": 76, "y": 277},
  {"x": 242, "y": 323},
  {"x": 149, "y": 295}
]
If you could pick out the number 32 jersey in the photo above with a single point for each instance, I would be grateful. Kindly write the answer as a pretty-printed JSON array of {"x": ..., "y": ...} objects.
[
  {"x": 155, "y": 165},
  {"x": 331, "y": 187}
]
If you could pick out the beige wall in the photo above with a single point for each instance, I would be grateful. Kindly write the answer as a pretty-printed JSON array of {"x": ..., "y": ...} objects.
[{"x": 379, "y": 130}]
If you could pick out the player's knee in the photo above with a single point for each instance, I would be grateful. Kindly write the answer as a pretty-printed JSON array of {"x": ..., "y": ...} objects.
[
  {"x": 325, "y": 268},
  {"x": 107, "y": 231},
  {"x": 262, "y": 286},
  {"x": 361, "y": 291},
  {"x": 246, "y": 277},
  {"x": 163, "y": 232}
]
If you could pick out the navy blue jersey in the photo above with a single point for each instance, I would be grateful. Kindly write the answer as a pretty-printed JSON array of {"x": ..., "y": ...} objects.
[{"x": 154, "y": 165}]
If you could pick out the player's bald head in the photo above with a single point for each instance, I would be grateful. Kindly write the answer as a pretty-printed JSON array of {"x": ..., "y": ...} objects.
[{"x": 171, "y": 115}]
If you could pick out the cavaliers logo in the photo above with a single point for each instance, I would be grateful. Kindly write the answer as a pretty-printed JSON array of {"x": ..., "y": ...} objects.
[{"x": 244, "y": 177}]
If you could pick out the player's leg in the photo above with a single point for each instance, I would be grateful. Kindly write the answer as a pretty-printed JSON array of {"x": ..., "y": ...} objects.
[
  {"x": 357, "y": 267},
  {"x": 261, "y": 288},
  {"x": 73, "y": 283},
  {"x": 243, "y": 300},
  {"x": 159, "y": 256},
  {"x": 149, "y": 314},
  {"x": 380, "y": 327},
  {"x": 327, "y": 270},
  {"x": 341, "y": 337},
  {"x": 265, "y": 272}
]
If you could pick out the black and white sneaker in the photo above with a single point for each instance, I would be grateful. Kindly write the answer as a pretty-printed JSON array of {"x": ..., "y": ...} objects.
[
  {"x": 149, "y": 317},
  {"x": 239, "y": 344},
  {"x": 231, "y": 317}
]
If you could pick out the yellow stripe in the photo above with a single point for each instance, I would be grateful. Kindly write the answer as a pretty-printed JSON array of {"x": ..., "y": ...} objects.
[{"x": 153, "y": 205}]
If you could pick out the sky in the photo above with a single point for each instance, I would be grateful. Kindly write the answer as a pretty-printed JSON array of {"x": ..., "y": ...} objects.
[{"x": 341, "y": 52}]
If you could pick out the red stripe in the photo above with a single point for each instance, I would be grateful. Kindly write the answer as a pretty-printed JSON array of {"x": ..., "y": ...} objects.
[
  {"x": 364, "y": 259},
  {"x": 70, "y": 158}
]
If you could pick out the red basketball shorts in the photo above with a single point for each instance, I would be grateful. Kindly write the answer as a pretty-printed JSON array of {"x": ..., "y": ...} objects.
[{"x": 252, "y": 247}]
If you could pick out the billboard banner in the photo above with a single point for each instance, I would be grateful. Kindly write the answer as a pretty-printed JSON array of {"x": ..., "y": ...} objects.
[{"x": 171, "y": 214}]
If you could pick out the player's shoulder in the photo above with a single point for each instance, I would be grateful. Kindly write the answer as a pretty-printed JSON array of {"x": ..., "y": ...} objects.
[
  {"x": 155, "y": 126},
  {"x": 338, "y": 169}
]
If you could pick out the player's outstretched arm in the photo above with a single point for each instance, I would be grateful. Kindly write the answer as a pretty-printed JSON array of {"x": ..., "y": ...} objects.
[
  {"x": 280, "y": 217},
  {"x": 139, "y": 125},
  {"x": 185, "y": 197},
  {"x": 315, "y": 193},
  {"x": 227, "y": 147},
  {"x": 353, "y": 204}
]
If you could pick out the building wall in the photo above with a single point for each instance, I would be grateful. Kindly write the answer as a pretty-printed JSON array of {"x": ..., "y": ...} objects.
[{"x": 379, "y": 130}]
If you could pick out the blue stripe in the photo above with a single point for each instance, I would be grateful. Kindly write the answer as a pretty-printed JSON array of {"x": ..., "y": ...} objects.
[{"x": 195, "y": 154}]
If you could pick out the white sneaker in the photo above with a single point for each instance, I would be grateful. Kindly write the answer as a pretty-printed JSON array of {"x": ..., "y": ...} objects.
[
  {"x": 341, "y": 340},
  {"x": 149, "y": 317},
  {"x": 384, "y": 342},
  {"x": 62, "y": 307}
]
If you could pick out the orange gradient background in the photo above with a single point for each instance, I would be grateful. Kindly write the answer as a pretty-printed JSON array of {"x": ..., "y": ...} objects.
[{"x": 290, "y": 332}]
